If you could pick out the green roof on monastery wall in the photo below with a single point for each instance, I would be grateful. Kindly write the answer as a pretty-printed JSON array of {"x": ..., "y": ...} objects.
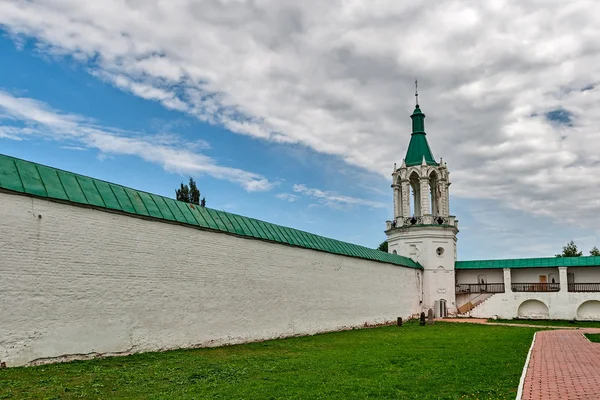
[
  {"x": 37, "y": 180},
  {"x": 544, "y": 262}
]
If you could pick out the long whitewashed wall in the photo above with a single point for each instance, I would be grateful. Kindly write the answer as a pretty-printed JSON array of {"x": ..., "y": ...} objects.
[
  {"x": 540, "y": 305},
  {"x": 77, "y": 281}
]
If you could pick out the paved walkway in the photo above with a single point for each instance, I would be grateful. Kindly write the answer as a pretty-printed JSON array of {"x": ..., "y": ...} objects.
[{"x": 563, "y": 365}]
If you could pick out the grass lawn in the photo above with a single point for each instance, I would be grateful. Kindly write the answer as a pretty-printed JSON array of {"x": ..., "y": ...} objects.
[
  {"x": 594, "y": 337},
  {"x": 444, "y": 361},
  {"x": 549, "y": 322}
]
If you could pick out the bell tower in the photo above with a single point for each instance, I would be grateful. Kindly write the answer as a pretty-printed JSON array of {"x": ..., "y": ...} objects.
[{"x": 422, "y": 227}]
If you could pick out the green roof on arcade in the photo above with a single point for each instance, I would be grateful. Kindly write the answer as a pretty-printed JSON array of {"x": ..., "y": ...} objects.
[{"x": 540, "y": 262}]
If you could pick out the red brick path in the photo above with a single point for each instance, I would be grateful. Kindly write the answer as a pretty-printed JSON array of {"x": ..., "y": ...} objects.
[{"x": 563, "y": 365}]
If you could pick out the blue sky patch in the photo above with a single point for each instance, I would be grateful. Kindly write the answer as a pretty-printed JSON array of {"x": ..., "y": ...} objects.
[{"x": 561, "y": 116}]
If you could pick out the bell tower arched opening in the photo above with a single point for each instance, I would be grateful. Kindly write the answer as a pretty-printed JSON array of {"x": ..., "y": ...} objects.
[
  {"x": 434, "y": 194},
  {"x": 415, "y": 185}
]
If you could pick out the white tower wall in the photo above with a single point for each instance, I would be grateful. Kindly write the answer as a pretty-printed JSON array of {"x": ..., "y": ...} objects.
[{"x": 423, "y": 244}]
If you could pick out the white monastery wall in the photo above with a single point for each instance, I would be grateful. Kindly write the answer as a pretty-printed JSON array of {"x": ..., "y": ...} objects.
[
  {"x": 532, "y": 275},
  {"x": 80, "y": 281},
  {"x": 558, "y": 305},
  {"x": 543, "y": 305},
  {"x": 471, "y": 275},
  {"x": 585, "y": 274}
]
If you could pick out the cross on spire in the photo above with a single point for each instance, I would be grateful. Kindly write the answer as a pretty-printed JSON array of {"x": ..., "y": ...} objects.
[{"x": 416, "y": 93}]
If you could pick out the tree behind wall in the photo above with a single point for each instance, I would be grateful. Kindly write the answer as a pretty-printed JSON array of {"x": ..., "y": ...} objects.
[
  {"x": 594, "y": 251},
  {"x": 190, "y": 194},
  {"x": 383, "y": 247},
  {"x": 570, "y": 250}
]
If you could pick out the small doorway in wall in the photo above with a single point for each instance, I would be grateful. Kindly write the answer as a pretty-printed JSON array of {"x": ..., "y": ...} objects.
[
  {"x": 553, "y": 278},
  {"x": 543, "y": 279},
  {"x": 440, "y": 310}
]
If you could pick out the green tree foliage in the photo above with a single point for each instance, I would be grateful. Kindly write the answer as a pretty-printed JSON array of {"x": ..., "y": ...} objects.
[
  {"x": 594, "y": 251},
  {"x": 570, "y": 250},
  {"x": 190, "y": 194},
  {"x": 383, "y": 247}
]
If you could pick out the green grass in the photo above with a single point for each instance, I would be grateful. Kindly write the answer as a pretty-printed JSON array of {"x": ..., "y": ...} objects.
[
  {"x": 443, "y": 361},
  {"x": 550, "y": 322},
  {"x": 594, "y": 337}
]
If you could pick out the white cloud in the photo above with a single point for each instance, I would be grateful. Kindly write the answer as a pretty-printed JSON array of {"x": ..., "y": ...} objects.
[
  {"x": 11, "y": 132},
  {"x": 167, "y": 150},
  {"x": 333, "y": 199},
  {"x": 287, "y": 197},
  {"x": 76, "y": 148},
  {"x": 337, "y": 76}
]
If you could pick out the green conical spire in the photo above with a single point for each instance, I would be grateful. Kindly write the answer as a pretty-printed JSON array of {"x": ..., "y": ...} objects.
[
  {"x": 418, "y": 120},
  {"x": 418, "y": 148}
]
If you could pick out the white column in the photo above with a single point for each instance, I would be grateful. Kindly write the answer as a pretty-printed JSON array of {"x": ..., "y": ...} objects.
[
  {"x": 562, "y": 279},
  {"x": 445, "y": 208},
  {"x": 397, "y": 201},
  {"x": 447, "y": 197},
  {"x": 507, "y": 281},
  {"x": 405, "y": 199},
  {"x": 425, "y": 197}
]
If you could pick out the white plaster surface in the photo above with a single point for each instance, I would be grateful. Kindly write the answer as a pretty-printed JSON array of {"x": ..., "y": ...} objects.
[
  {"x": 533, "y": 309},
  {"x": 420, "y": 244},
  {"x": 472, "y": 275},
  {"x": 561, "y": 305},
  {"x": 589, "y": 310},
  {"x": 532, "y": 275},
  {"x": 80, "y": 280},
  {"x": 585, "y": 274}
]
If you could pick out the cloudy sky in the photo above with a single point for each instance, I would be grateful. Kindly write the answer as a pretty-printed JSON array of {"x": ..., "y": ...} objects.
[{"x": 294, "y": 112}]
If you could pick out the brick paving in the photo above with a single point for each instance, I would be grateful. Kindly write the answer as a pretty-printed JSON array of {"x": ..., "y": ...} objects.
[{"x": 563, "y": 365}]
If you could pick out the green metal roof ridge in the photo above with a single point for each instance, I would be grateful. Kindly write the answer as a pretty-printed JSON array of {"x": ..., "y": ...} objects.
[
  {"x": 26, "y": 177},
  {"x": 534, "y": 262}
]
